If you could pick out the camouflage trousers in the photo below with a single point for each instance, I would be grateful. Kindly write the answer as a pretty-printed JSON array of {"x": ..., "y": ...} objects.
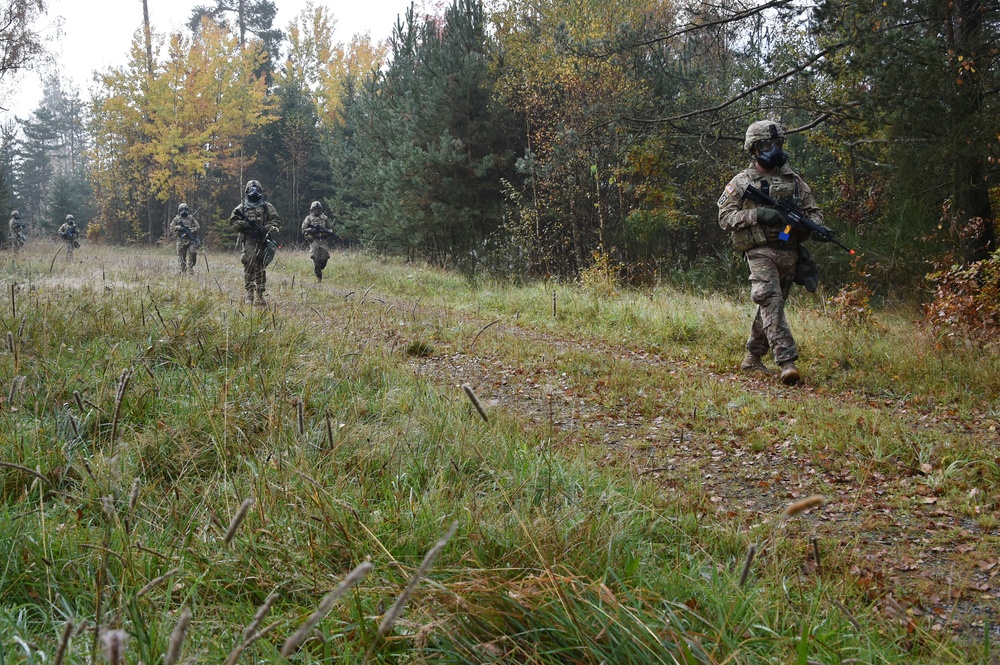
[
  {"x": 187, "y": 256},
  {"x": 254, "y": 274},
  {"x": 319, "y": 255},
  {"x": 772, "y": 272},
  {"x": 70, "y": 244}
]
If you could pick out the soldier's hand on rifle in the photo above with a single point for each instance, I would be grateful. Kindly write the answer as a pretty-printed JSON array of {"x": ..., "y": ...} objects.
[
  {"x": 770, "y": 217},
  {"x": 824, "y": 235}
]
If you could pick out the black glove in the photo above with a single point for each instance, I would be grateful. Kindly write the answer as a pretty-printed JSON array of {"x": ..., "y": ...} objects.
[
  {"x": 770, "y": 217},
  {"x": 825, "y": 236}
]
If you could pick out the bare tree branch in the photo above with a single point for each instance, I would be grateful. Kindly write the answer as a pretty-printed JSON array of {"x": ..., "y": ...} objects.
[
  {"x": 746, "y": 93},
  {"x": 691, "y": 27}
]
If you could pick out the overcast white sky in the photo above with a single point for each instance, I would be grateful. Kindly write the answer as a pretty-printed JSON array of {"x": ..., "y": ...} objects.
[{"x": 96, "y": 35}]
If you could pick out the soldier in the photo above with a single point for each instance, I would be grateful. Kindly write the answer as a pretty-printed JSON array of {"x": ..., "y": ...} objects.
[
  {"x": 755, "y": 231},
  {"x": 255, "y": 219},
  {"x": 186, "y": 228},
  {"x": 317, "y": 229},
  {"x": 17, "y": 237},
  {"x": 69, "y": 232}
]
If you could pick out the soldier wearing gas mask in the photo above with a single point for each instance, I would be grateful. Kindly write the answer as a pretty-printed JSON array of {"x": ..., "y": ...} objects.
[
  {"x": 185, "y": 227},
  {"x": 16, "y": 226},
  {"x": 69, "y": 232},
  {"x": 773, "y": 262},
  {"x": 318, "y": 230},
  {"x": 256, "y": 220}
]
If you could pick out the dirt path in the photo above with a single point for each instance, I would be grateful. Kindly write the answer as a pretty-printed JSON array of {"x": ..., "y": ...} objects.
[
  {"x": 887, "y": 530},
  {"x": 884, "y": 528}
]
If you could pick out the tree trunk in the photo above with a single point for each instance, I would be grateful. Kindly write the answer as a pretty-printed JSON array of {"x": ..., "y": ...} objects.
[
  {"x": 964, "y": 32},
  {"x": 148, "y": 36},
  {"x": 241, "y": 19}
]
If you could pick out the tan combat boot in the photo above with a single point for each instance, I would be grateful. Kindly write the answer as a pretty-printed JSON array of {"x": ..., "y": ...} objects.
[
  {"x": 789, "y": 373},
  {"x": 753, "y": 363}
]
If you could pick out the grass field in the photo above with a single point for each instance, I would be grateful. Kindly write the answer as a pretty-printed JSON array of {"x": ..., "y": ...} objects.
[{"x": 185, "y": 478}]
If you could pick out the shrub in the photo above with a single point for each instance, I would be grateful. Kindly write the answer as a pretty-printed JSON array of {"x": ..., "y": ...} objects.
[
  {"x": 966, "y": 302},
  {"x": 853, "y": 304}
]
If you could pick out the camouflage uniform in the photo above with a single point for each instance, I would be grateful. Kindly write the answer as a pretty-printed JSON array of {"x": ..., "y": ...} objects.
[
  {"x": 187, "y": 250},
  {"x": 17, "y": 237},
  {"x": 317, "y": 229},
  {"x": 772, "y": 262},
  {"x": 68, "y": 232},
  {"x": 255, "y": 219}
]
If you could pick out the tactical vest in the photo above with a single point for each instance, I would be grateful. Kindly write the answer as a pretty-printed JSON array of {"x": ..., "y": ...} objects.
[
  {"x": 782, "y": 186},
  {"x": 257, "y": 214},
  {"x": 263, "y": 248}
]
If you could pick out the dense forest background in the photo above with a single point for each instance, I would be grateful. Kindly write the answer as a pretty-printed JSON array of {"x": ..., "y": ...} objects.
[{"x": 540, "y": 137}]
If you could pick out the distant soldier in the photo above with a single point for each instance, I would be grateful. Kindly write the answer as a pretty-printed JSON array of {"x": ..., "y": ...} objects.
[
  {"x": 318, "y": 230},
  {"x": 17, "y": 237},
  {"x": 256, "y": 220},
  {"x": 186, "y": 228},
  {"x": 69, "y": 233}
]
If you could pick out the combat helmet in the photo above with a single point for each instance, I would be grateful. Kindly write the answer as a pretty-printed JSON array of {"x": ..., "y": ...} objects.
[
  {"x": 762, "y": 130},
  {"x": 316, "y": 206},
  {"x": 15, "y": 214},
  {"x": 254, "y": 192},
  {"x": 70, "y": 219},
  {"x": 182, "y": 208}
]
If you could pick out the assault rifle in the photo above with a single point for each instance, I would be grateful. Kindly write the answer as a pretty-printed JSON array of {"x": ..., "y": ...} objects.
[
  {"x": 321, "y": 233},
  {"x": 795, "y": 217},
  {"x": 71, "y": 235},
  {"x": 255, "y": 230},
  {"x": 187, "y": 234}
]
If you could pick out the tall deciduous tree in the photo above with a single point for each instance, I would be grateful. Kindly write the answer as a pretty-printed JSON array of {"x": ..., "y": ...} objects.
[
  {"x": 308, "y": 89},
  {"x": 189, "y": 128},
  {"x": 574, "y": 103},
  {"x": 318, "y": 64},
  {"x": 20, "y": 43}
]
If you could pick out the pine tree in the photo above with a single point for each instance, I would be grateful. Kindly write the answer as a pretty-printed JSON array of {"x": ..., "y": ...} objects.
[
  {"x": 40, "y": 140},
  {"x": 431, "y": 157}
]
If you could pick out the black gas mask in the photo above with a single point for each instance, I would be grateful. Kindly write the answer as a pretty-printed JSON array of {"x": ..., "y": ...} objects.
[{"x": 770, "y": 155}]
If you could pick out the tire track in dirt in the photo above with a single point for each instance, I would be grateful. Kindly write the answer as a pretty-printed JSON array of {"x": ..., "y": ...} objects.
[
  {"x": 921, "y": 556},
  {"x": 933, "y": 561}
]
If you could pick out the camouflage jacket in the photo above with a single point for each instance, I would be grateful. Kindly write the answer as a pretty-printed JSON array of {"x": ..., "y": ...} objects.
[
  {"x": 314, "y": 222},
  {"x": 738, "y": 216},
  {"x": 16, "y": 225},
  {"x": 190, "y": 222},
  {"x": 67, "y": 232},
  {"x": 255, "y": 222}
]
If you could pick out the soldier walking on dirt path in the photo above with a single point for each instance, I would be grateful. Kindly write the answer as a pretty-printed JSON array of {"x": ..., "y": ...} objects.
[
  {"x": 256, "y": 220},
  {"x": 757, "y": 232}
]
